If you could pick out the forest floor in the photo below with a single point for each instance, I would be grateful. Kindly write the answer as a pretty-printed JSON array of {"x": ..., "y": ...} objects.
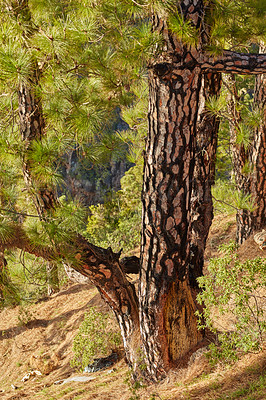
[{"x": 40, "y": 337}]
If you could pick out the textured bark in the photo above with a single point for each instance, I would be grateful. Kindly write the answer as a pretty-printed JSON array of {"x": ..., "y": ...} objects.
[
  {"x": 168, "y": 267},
  {"x": 167, "y": 306},
  {"x": 240, "y": 157},
  {"x": 130, "y": 265},
  {"x": 235, "y": 63},
  {"x": 253, "y": 183},
  {"x": 258, "y": 156},
  {"x": 105, "y": 272}
]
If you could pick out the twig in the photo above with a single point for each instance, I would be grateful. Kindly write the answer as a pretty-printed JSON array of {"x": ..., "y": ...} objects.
[
  {"x": 224, "y": 202},
  {"x": 19, "y": 213}
]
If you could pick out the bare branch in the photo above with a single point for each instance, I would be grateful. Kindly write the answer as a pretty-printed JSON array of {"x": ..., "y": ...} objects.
[
  {"x": 19, "y": 213},
  {"x": 233, "y": 62}
]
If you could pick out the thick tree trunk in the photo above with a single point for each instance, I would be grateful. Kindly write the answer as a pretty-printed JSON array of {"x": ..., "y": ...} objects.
[
  {"x": 167, "y": 305},
  {"x": 167, "y": 282}
]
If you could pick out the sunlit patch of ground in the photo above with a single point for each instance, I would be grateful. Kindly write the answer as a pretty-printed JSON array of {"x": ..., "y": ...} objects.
[{"x": 40, "y": 336}]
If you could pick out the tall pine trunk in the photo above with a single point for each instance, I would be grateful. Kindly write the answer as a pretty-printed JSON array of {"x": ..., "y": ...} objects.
[
  {"x": 167, "y": 302},
  {"x": 32, "y": 128}
]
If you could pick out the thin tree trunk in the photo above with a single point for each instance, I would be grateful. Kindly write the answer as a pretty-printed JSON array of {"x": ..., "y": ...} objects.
[
  {"x": 3, "y": 274},
  {"x": 258, "y": 155},
  {"x": 32, "y": 128},
  {"x": 253, "y": 182},
  {"x": 240, "y": 157},
  {"x": 204, "y": 176}
]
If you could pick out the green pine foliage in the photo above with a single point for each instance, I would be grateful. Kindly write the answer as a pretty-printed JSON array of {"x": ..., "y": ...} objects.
[
  {"x": 235, "y": 24},
  {"x": 117, "y": 222},
  {"x": 183, "y": 29},
  {"x": 10, "y": 294},
  {"x": 239, "y": 133},
  {"x": 227, "y": 200},
  {"x": 57, "y": 49}
]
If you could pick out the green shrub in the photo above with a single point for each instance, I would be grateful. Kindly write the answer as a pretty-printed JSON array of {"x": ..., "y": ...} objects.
[
  {"x": 233, "y": 292},
  {"x": 94, "y": 339},
  {"x": 227, "y": 200},
  {"x": 25, "y": 315}
]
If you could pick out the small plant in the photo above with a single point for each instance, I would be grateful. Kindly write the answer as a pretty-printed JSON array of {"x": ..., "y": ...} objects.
[
  {"x": 155, "y": 396},
  {"x": 133, "y": 385},
  {"x": 25, "y": 315},
  {"x": 94, "y": 339},
  {"x": 233, "y": 289}
]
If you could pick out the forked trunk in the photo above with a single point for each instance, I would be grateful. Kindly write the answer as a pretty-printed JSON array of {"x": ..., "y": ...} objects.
[
  {"x": 103, "y": 269},
  {"x": 162, "y": 323}
]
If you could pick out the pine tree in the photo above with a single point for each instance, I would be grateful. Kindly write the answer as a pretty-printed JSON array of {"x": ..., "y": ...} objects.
[
  {"x": 51, "y": 105},
  {"x": 245, "y": 113},
  {"x": 161, "y": 319}
]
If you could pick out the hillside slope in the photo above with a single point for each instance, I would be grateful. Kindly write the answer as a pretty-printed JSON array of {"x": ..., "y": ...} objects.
[{"x": 40, "y": 337}]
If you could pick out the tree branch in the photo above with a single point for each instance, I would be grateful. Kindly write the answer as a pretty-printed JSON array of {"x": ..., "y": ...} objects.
[{"x": 233, "y": 62}]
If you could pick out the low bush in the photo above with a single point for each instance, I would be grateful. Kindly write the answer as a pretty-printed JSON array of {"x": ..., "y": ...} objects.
[
  {"x": 96, "y": 338},
  {"x": 233, "y": 294}
]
